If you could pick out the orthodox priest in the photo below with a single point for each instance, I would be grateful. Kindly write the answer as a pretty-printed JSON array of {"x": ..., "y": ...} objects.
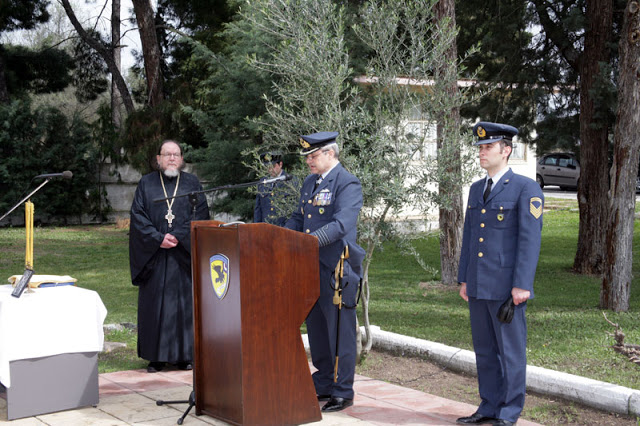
[{"x": 160, "y": 260}]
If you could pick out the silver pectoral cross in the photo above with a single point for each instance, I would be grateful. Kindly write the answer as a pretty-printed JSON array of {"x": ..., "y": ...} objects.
[{"x": 169, "y": 216}]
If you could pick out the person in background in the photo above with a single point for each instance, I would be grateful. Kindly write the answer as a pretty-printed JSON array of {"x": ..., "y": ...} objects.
[{"x": 264, "y": 210}]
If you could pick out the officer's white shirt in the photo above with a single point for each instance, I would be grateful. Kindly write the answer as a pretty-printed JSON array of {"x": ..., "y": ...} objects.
[
  {"x": 496, "y": 178},
  {"x": 324, "y": 175}
]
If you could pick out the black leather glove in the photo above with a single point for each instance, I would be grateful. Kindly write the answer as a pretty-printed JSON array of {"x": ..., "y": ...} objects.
[{"x": 505, "y": 313}]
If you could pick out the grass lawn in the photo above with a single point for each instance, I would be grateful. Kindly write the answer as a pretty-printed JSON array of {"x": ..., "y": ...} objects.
[{"x": 567, "y": 331}]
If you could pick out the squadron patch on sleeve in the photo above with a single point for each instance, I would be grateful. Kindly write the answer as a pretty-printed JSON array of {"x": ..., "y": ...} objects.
[{"x": 535, "y": 207}]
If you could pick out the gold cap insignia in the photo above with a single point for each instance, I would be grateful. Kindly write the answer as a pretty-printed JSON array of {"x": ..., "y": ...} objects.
[
  {"x": 481, "y": 132},
  {"x": 535, "y": 207},
  {"x": 304, "y": 143}
]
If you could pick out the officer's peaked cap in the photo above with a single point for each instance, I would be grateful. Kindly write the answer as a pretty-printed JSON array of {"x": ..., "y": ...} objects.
[
  {"x": 315, "y": 141},
  {"x": 493, "y": 132}
]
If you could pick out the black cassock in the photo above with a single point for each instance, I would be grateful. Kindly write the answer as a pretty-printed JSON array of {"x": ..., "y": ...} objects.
[{"x": 163, "y": 276}]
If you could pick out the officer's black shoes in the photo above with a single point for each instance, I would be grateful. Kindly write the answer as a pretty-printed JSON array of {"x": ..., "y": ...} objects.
[
  {"x": 337, "y": 404},
  {"x": 501, "y": 422},
  {"x": 154, "y": 367},
  {"x": 323, "y": 397},
  {"x": 476, "y": 419}
]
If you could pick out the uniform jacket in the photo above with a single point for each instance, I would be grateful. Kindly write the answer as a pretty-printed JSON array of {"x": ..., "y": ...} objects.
[
  {"x": 331, "y": 213},
  {"x": 501, "y": 237},
  {"x": 263, "y": 210}
]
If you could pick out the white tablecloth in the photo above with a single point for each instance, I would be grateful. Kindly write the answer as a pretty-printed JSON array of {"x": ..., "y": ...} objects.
[{"x": 50, "y": 321}]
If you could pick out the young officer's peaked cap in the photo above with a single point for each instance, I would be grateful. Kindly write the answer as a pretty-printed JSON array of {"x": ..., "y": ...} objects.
[{"x": 493, "y": 132}]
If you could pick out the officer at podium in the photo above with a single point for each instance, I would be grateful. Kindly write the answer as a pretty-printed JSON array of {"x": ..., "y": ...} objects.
[{"x": 330, "y": 202}]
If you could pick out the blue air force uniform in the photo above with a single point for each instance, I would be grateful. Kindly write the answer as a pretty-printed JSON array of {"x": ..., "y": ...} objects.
[
  {"x": 330, "y": 212},
  {"x": 500, "y": 249},
  {"x": 264, "y": 211}
]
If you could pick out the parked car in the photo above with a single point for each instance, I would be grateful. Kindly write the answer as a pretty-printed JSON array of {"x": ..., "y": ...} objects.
[{"x": 560, "y": 168}]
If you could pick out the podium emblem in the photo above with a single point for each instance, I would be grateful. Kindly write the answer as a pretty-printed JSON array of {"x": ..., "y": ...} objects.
[{"x": 219, "y": 274}]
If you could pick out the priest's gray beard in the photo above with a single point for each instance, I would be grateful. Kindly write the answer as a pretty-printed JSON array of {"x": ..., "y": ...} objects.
[{"x": 171, "y": 173}]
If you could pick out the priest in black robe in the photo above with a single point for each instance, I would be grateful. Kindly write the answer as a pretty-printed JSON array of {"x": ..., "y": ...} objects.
[{"x": 160, "y": 260}]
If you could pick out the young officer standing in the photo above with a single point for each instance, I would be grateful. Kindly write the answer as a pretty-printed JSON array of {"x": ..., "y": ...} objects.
[{"x": 500, "y": 249}]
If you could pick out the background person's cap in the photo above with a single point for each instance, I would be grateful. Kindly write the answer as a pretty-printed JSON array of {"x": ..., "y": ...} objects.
[{"x": 271, "y": 157}]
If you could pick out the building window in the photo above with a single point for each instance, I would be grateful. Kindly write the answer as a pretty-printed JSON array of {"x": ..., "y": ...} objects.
[{"x": 518, "y": 152}]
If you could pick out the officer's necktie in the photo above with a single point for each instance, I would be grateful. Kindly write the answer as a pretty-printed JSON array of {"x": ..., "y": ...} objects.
[
  {"x": 317, "y": 183},
  {"x": 487, "y": 191}
]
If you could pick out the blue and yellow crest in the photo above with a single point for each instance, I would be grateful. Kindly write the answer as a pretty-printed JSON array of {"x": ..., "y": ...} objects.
[{"x": 219, "y": 274}]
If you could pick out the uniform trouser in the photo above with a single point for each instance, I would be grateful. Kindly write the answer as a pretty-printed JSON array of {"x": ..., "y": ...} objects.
[
  {"x": 321, "y": 328},
  {"x": 501, "y": 359}
]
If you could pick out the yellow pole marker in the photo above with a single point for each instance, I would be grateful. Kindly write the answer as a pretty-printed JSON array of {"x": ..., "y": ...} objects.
[{"x": 28, "y": 225}]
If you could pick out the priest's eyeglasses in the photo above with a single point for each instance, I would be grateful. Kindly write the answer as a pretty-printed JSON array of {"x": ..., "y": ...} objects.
[{"x": 171, "y": 155}]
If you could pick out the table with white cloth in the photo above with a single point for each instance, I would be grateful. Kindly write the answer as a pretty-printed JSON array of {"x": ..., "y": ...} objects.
[{"x": 49, "y": 344}]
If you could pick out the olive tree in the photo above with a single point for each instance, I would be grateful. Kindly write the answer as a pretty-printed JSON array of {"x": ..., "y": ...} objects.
[{"x": 315, "y": 89}]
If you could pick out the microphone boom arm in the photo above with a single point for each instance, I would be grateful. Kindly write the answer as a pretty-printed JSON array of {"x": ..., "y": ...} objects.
[
  {"x": 223, "y": 187},
  {"x": 46, "y": 181}
]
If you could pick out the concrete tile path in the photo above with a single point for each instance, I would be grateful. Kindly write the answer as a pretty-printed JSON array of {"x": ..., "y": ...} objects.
[{"x": 128, "y": 398}]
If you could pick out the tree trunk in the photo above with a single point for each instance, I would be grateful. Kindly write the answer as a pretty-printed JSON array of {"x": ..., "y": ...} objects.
[
  {"x": 4, "y": 93},
  {"x": 105, "y": 53},
  {"x": 593, "y": 184},
  {"x": 450, "y": 214},
  {"x": 616, "y": 282},
  {"x": 116, "y": 97},
  {"x": 365, "y": 347},
  {"x": 150, "y": 51}
]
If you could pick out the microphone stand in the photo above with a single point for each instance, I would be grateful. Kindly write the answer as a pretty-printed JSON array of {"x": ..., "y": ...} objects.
[
  {"x": 28, "y": 271},
  {"x": 191, "y": 401},
  {"x": 194, "y": 194},
  {"x": 193, "y": 200},
  {"x": 25, "y": 198}
]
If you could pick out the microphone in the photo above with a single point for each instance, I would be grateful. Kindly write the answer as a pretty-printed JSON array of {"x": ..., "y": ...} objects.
[
  {"x": 22, "y": 284},
  {"x": 64, "y": 175},
  {"x": 276, "y": 179}
]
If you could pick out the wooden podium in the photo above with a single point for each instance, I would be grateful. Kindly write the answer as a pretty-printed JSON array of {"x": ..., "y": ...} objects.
[{"x": 253, "y": 286}]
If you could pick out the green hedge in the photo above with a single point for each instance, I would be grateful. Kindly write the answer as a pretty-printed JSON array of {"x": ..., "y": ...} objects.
[{"x": 41, "y": 140}]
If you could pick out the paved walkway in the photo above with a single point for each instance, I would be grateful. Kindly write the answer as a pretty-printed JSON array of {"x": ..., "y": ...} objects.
[{"x": 128, "y": 398}]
